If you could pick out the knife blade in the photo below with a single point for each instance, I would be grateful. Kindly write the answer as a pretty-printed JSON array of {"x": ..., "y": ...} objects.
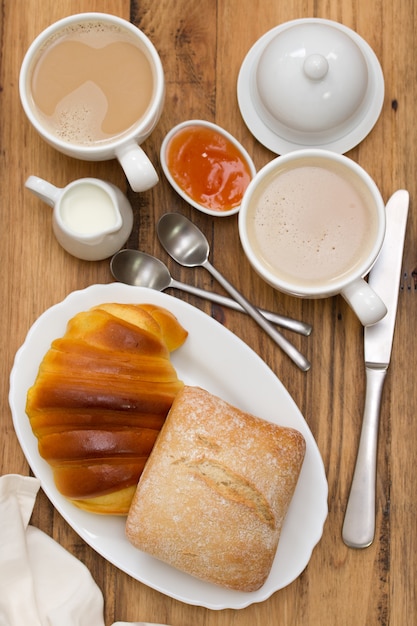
[{"x": 359, "y": 523}]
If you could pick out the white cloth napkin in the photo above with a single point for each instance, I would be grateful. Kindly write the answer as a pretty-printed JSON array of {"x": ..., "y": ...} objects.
[{"x": 41, "y": 584}]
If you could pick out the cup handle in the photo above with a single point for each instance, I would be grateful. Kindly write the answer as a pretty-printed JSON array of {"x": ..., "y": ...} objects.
[
  {"x": 367, "y": 305},
  {"x": 43, "y": 190},
  {"x": 139, "y": 171}
]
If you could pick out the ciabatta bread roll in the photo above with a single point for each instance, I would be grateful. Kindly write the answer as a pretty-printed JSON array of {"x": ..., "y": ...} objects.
[
  {"x": 100, "y": 398},
  {"x": 213, "y": 496}
]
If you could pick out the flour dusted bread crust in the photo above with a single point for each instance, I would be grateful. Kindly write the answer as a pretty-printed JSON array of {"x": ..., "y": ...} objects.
[
  {"x": 213, "y": 496},
  {"x": 100, "y": 398}
]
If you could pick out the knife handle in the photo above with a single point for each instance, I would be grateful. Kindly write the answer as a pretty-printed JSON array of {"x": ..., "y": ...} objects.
[{"x": 359, "y": 524}]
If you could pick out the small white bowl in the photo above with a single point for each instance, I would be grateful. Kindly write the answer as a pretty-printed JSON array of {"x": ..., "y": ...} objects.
[{"x": 217, "y": 129}]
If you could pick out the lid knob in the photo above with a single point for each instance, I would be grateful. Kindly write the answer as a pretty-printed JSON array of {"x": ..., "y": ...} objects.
[{"x": 316, "y": 66}]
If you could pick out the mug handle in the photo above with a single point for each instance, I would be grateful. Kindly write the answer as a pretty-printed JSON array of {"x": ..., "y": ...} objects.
[
  {"x": 367, "y": 305},
  {"x": 139, "y": 171}
]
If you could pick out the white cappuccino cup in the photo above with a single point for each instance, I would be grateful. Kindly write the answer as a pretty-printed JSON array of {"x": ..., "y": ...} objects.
[
  {"x": 93, "y": 87},
  {"x": 312, "y": 223}
]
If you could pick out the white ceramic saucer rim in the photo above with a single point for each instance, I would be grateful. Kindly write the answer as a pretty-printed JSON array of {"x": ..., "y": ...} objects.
[{"x": 280, "y": 145}]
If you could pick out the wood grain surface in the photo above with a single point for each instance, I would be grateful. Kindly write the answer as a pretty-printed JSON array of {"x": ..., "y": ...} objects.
[{"x": 202, "y": 46}]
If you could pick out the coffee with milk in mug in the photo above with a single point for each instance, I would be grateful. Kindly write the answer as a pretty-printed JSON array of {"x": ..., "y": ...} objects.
[
  {"x": 312, "y": 224},
  {"x": 91, "y": 81}
]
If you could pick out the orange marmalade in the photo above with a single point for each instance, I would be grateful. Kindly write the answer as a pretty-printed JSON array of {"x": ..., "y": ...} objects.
[{"x": 208, "y": 167}]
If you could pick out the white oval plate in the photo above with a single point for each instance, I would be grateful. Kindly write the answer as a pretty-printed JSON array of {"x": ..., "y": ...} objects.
[{"x": 217, "y": 360}]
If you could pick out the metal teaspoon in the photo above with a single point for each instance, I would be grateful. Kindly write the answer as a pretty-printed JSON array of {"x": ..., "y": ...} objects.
[
  {"x": 140, "y": 269},
  {"x": 187, "y": 245}
]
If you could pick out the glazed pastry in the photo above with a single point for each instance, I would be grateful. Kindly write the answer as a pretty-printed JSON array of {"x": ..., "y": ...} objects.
[
  {"x": 215, "y": 491},
  {"x": 100, "y": 398}
]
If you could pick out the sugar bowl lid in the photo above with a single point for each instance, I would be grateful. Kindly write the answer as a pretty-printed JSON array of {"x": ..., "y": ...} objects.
[{"x": 310, "y": 83}]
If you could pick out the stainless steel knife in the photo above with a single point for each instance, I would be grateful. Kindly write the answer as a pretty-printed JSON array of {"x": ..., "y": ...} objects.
[{"x": 359, "y": 523}]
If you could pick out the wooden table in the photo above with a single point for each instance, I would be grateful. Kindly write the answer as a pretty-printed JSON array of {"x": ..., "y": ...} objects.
[{"x": 202, "y": 45}]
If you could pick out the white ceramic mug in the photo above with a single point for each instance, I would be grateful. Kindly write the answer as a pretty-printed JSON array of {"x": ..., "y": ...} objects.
[
  {"x": 312, "y": 223},
  {"x": 123, "y": 145},
  {"x": 92, "y": 219}
]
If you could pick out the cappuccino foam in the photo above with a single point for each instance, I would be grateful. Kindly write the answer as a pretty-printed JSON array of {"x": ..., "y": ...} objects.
[
  {"x": 312, "y": 225},
  {"x": 91, "y": 82}
]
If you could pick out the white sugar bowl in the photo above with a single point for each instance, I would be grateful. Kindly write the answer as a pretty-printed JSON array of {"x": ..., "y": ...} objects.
[{"x": 310, "y": 83}]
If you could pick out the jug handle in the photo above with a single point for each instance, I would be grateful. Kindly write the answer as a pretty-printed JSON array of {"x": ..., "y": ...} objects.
[{"x": 43, "y": 190}]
